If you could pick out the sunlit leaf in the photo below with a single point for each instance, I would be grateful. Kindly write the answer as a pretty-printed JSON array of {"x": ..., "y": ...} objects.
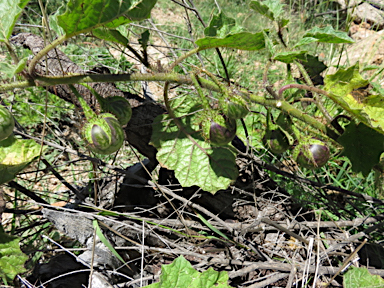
[
  {"x": 328, "y": 35},
  {"x": 10, "y": 11},
  {"x": 195, "y": 161},
  {"x": 15, "y": 155},
  {"x": 180, "y": 273},
  {"x": 242, "y": 41},
  {"x": 85, "y": 15},
  {"x": 361, "y": 278}
]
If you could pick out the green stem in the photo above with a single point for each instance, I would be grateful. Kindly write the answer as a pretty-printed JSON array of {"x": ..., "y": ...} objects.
[
  {"x": 88, "y": 112},
  {"x": 196, "y": 83},
  {"x": 183, "y": 57},
  {"x": 318, "y": 101},
  {"x": 304, "y": 87},
  {"x": 180, "y": 79},
  {"x": 44, "y": 51}
]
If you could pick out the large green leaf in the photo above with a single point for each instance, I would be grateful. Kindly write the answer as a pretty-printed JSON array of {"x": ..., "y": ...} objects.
[
  {"x": 242, "y": 41},
  {"x": 328, "y": 35},
  {"x": 11, "y": 258},
  {"x": 10, "y": 10},
  {"x": 15, "y": 155},
  {"x": 195, "y": 161},
  {"x": 361, "y": 278},
  {"x": 180, "y": 273},
  {"x": 85, "y": 15},
  {"x": 341, "y": 88},
  {"x": 363, "y": 146}
]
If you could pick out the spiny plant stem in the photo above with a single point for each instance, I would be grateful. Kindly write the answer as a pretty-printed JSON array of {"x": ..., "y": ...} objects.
[
  {"x": 183, "y": 57},
  {"x": 318, "y": 101},
  {"x": 44, "y": 51},
  {"x": 304, "y": 87}
]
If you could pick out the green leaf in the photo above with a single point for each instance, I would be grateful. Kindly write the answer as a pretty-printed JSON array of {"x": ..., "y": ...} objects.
[
  {"x": 328, "y": 35},
  {"x": 363, "y": 146},
  {"x": 53, "y": 22},
  {"x": 144, "y": 39},
  {"x": 195, "y": 161},
  {"x": 180, "y": 273},
  {"x": 314, "y": 67},
  {"x": 11, "y": 258},
  {"x": 10, "y": 10},
  {"x": 242, "y": 41},
  {"x": 11, "y": 70},
  {"x": 342, "y": 90},
  {"x": 102, "y": 238},
  {"x": 361, "y": 278},
  {"x": 289, "y": 56},
  {"x": 15, "y": 155},
  {"x": 85, "y": 15},
  {"x": 110, "y": 35},
  {"x": 269, "y": 8},
  {"x": 220, "y": 25},
  {"x": 305, "y": 41},
  {"x": 269, "y": 44}
]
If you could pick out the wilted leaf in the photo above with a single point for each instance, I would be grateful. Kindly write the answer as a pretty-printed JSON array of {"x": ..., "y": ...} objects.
[
  {"x": 180, "y": 273},
  {"x": 15, "y": 155},
  {"x": 341, "y": 86}
]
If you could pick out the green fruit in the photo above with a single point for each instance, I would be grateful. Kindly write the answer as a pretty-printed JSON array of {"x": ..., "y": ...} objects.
[
  {"x": 118, "y": 106},
  {"x": 276, "y": 141},
  {"x": 7, "y": 123},
  {"x": 311, "y": 153},
  {"x": 235, "y": 110},
  {"x": 104, "y": 134},
  {"x": 219, "y": 130}
]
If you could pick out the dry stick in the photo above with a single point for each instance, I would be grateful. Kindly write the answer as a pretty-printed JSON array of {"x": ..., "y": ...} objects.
[
  {"x": 291, "y": 277},
  {"x": 269, "y": 281},
  {"x": 346, "y": 262},
  {"x": 314, "y": 183},
  {"x": 229, "y": 227},
  {"x": 27, "y": 192},
  {"x": 290, "y": 233}
]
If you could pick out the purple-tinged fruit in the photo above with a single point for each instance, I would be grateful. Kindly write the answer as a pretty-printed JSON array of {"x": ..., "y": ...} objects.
[
  {"x": 276, "y": 141},
  {"x": 311, "y": 153},
  {"x": 104, "y": 134}
]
